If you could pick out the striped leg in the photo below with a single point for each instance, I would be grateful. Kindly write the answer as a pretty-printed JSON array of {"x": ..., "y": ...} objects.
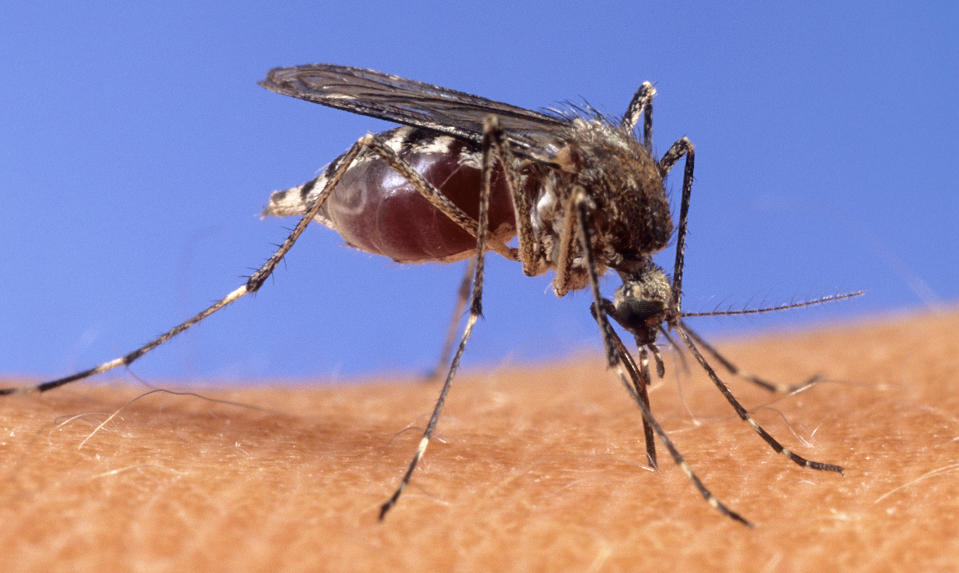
[
  {"x": 744, "y": 414},
  {"x": 626, "y": 371},
  {"x": 253, "y": 284},
  {"x": 476, "y": 310},
  {"x": 462, "y": 295}
]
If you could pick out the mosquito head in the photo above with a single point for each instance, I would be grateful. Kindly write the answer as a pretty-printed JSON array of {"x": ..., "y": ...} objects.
[{"x": 643, "y": 302}]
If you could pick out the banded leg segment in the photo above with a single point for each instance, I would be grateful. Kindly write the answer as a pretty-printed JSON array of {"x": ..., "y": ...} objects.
[
  {"x": 673, "y": 154},
  {"x": 476, "y": 310},
  {"x": 744, "y": 414},
  {"x": 579, "y": 212},
  {"x": 642, "y": 103},
  {"x": 627, "y": 372},
  {"x": 366, "y": 144},
  {"x": 253, "y": 284},
  {"x": 533, "y": 260},
  {"x": 711, "y": 499},
  {"x": 777, "y": 387},
  {"x": 432, "y": 194},
  {"x": 462, "y": 295},
  {"x": 567, "y": 242},
  {"x": 640, "y": 379}
]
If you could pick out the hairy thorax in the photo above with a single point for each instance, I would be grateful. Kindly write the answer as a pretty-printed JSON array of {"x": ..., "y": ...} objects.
[{"x": 630, "y": 213}]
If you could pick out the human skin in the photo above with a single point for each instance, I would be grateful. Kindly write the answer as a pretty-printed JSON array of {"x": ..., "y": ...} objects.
[{"x": 534, "y": 468}]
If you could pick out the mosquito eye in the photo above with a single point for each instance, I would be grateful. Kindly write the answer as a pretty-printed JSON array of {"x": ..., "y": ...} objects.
[{"x": 636, "y": 314}]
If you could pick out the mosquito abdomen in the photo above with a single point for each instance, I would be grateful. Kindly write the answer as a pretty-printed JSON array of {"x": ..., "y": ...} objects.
[{"x": 375, "y": 209}]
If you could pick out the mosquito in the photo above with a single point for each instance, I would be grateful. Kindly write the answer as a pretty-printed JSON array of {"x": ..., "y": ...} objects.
[{"x": 464, "y": 175}]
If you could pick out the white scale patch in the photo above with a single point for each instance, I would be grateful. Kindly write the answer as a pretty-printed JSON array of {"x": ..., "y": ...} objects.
[{"x": 290, "y": 202}]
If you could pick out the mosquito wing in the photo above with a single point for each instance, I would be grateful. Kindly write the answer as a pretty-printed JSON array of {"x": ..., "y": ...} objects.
[{"x": 384, "y": 96}]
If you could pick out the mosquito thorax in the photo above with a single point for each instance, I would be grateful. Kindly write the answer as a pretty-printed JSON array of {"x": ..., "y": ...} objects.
[
  {"x": 643, "y": 302},
  {"x": 631, "y": 214}
]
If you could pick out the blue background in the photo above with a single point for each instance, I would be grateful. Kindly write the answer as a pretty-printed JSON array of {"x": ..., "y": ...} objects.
[{"x": 137, "y": 152}]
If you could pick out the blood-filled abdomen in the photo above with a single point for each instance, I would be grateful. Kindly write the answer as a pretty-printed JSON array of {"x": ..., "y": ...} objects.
[{"x": 375, "y": 209}]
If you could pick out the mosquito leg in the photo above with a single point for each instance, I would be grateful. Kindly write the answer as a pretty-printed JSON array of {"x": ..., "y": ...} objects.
[
  {"x": 736, "y": 371},
  {"x": 577, "y": 213},
  {"x": 437, "y": 409},
  {"x": 638, "y": 390},
  {"x": 677, "y": 457},
  {"x": 680, "y": 148},
  {"x": 567, "y": 248},
  {"x": 476, "y": 310},
  {"x": 462, "y": 296},
  {"x": 435, "y": 196},
  {"x": 529, "y": 253},
  {"x": 252, "y": 285},
  {"x": 642, "y": 103},
  {"x": 628, "y": 375},
  {"x": 744, "y": 415}
]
